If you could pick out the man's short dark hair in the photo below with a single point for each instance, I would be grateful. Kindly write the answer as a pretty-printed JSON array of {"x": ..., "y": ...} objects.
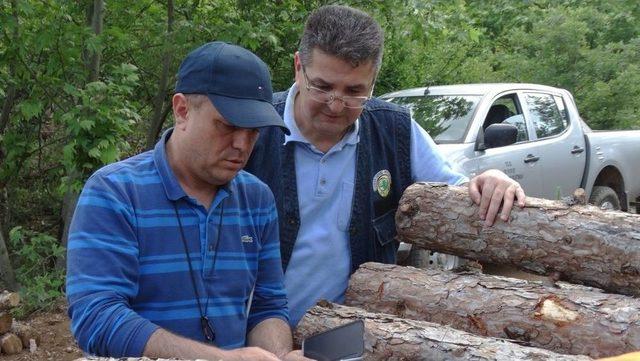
[
  {"x": 344, "y": 32},
  {"x": 196, "y": 101}
]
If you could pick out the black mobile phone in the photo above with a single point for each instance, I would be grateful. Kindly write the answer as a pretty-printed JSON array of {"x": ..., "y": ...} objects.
[{"x": 345, "y": 342}]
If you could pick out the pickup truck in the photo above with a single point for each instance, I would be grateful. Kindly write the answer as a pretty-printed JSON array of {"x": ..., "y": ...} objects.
[{"x": 534, "y": 134}]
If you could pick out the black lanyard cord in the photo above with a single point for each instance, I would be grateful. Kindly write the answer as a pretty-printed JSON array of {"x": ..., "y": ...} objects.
[{"x": 205, "y": 324}]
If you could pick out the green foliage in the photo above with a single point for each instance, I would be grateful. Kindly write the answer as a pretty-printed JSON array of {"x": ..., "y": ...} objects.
[
  {"x": 588, "y": 48},
  {"x": 99, "y": 123},
  {"x": 33, "y": 257}
]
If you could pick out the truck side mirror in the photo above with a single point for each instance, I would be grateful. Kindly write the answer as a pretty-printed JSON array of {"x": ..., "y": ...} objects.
[{"x": 499, "y": 135}]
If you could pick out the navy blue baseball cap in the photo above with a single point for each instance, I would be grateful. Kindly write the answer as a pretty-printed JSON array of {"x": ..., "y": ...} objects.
[{"x": 236, "y": 81}]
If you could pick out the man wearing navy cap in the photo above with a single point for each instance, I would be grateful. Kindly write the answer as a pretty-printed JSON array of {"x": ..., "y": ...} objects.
[{"x": 175, "y": 252}]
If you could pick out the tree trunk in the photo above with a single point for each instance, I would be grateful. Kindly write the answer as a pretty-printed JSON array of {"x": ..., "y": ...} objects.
[
  {"x": 160, "y": 106},
  {"x": 69, "y": 202},
  {"x": 10, "y": 93},
  {"x": 7, "y": 276},
  {"x": 583, "y": 244},
  {"x": 572, "y": 320},
  {"x": 96, "y": 25},
  {"x": 7, "y": 105},
  {"x": 71, "y": 196},
  {"x": 390, "y": 338}
]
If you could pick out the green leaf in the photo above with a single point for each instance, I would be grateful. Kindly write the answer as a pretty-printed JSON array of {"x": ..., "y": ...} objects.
[
  {"x": 70, "y": 89},
  {"x": 109, "y": 154},
  {"x": 95, "y": 153},
  {"x": 30, "y": 108},
  {"x": 87, "y": 124},
  {"x": 474, "y": 35}
]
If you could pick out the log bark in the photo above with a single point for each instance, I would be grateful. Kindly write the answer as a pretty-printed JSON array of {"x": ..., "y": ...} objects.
[
  {"x": 9, "y": 300},
  {"x": 390, "y": 338},
  {"x": 25, "y": 333},
  {"x": 583, "y": 244},
  {"x": 96, "y": 358},
  {"x": 576, "y": 320},
  {"x": 10, "y": 344},
  {"x": 5, "y": 322}
]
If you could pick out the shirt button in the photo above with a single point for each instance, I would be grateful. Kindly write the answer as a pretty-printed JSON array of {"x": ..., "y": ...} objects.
[
  {"x": 323, "y": 161},
  {"x": 323, "y": 182}
]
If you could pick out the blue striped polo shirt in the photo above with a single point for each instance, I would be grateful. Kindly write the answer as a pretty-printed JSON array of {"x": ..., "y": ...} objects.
[{"x": 127, "y": 271}]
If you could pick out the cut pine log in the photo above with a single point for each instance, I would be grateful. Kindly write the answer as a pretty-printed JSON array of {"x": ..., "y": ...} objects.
[
  {"x": 10, "y": 344},
  {"x": 583, "y": 244},
  {"x": 5, "y": 322},
  {"x": 632, "y": 356},
  {"x": 577, "y": 320},
  {"x": 9, "y": 300},
  {"x": 96, "y": 358},
  {"x": 390, "y": 338},
  {"x": 25, "y": 333}
]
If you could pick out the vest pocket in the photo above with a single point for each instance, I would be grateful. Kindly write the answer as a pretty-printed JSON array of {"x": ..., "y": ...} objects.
[{"x": 385, "y": 231}]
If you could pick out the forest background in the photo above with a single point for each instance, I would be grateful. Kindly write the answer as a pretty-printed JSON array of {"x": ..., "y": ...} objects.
[{"x": 87, "y": 82}]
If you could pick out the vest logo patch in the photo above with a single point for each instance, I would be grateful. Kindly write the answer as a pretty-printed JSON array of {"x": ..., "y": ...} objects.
[
  {"x": 246, "y": 239},
  {"x": 382, "y": 183}
]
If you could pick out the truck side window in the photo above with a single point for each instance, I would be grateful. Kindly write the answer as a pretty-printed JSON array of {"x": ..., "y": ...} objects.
[
  {"x": 507, "y": 110},
  {"x": 545, "y": 115},
  {"x": 562, "y": 107},
  {"x": 518, "y": 121}
]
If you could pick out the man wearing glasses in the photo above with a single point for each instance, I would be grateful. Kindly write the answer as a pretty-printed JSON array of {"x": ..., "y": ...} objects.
[{"x": 339, "y": 175}]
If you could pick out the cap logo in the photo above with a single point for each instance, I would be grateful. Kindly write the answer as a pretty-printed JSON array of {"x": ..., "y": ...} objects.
[{"x": 382, "y": 183}]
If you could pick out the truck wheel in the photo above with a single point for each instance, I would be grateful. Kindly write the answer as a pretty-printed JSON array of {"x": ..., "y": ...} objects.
[{"x": 604, "y": 197}]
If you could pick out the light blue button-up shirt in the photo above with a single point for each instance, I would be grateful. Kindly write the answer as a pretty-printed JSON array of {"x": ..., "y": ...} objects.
[{"x": 321, "y": 259}]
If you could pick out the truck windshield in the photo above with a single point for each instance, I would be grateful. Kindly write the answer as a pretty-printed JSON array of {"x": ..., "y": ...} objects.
[{"x": 444, "y": 117}]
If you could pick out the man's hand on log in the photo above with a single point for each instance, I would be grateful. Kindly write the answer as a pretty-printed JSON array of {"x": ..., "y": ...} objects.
[{"x": 491, "y": 189}]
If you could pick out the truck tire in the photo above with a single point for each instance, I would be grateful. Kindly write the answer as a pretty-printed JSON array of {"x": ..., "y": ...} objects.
[{"x": 604, "y": 197}]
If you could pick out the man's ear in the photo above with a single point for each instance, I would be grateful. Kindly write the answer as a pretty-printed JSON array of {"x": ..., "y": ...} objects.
[
  {"x": 180, "y": 110},
  {"x": 297, "y": 68},
  {"x": 297, "y": 64}
]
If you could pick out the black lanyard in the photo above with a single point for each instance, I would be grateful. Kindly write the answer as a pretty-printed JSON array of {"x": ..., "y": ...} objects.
[{"x": 206, "y": 325}]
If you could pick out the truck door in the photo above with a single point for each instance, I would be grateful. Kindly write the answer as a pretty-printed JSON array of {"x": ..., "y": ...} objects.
[
  {"x": 520, "y": 160},
  {"x": 561, "y": 144}
]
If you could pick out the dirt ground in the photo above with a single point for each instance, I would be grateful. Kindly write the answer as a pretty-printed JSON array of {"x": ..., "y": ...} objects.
[{"x": 56, "y": 342}]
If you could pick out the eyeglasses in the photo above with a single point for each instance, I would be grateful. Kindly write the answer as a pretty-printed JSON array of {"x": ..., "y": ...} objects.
[{"x": 323, "y": 96}]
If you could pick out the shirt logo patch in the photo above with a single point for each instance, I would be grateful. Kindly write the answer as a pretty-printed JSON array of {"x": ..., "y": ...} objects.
[
  {"x": 382, "y": 183},
  {"x": 246, "y": 239}
]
